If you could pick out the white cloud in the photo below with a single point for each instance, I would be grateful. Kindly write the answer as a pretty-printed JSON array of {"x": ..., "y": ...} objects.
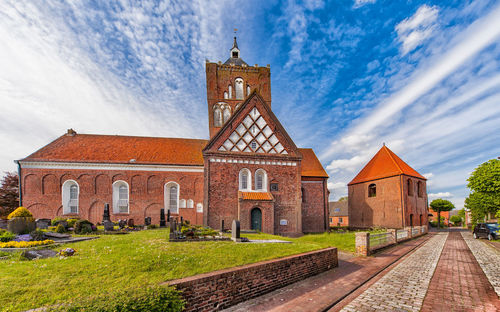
[
  {"x": 414, "y": 30},
  {"x": 439, "y": 195},
  {"x": 360, "y": 3}
]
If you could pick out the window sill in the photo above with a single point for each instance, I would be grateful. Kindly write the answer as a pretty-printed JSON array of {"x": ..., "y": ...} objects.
[
  {"x": 71, "y": 214},
  {"x": 121, "y": 213}
]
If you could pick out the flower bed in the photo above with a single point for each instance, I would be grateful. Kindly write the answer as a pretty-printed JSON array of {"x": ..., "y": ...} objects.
[{"x": 23, "y": 244}]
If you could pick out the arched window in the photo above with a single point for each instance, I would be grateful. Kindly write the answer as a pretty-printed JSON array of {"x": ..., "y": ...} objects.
[
  {"x": 410, "y": 187},
  {"x": 248, "y": 90},
  {"x": 372, "y": 190},
  {"x": 227, "y": 114},
  {"x": 120, "y": 197},
  {"x": 171, "y": 192},
  {"x": 303, "y": 192},
  {"x": 70, "y": 195},
  {"x": 182, "y": 203},
  {"x": 199, "y": 207},
  {"x": 260, "y": 180},
  {"x": 190, "y": 203},
  {"x": 238, "y": 86},
  {"x": 217, "y": 117},
  {"x": 230, "y": 89},
  {"x": 225, "y": 95},
  {"x": 245, "y": 180},
  {"x": 420, "y": 189}
]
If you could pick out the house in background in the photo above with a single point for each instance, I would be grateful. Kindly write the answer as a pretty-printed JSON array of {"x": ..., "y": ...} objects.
[
  {"x": 444, "y": 214},
  {"x": 339, "y": 213},
  {"x": 387, "y": 193}
]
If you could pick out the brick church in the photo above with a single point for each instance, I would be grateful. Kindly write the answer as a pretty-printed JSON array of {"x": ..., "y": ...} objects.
[
  {"x": 249, "y": 170},
  {"x": 387, "y": 193}
]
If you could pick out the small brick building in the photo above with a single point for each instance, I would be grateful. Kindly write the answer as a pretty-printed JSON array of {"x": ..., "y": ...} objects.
[
  {"x": 387, "y": 193},
  {"x": 249, "y": 170},
  {"x": 339, "y": 213}
]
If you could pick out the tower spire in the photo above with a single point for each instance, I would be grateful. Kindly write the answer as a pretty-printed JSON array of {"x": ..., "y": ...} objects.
[{"x": 235, "y": 44}]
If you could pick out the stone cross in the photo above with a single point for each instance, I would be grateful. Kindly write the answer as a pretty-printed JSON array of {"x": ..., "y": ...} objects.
[
  {"x": 162, "y": 217},
  {"x": 105, "y": 215},
  {"x": 235, "y": 231}
]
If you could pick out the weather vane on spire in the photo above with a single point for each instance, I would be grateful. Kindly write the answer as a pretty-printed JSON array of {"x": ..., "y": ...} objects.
[{"x": 235, "y": 30}]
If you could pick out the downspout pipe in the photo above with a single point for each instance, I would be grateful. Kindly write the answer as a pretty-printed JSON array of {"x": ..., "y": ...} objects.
[{"x": 19, "y": 182}]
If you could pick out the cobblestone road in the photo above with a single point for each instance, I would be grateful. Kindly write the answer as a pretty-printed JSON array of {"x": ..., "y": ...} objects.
[
  {"x": 459, "y": 284},
  {"x": 404, "y": 287},
  {"x": 487, "y": 257}
]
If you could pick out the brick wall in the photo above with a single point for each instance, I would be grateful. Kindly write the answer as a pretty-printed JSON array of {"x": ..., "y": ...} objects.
[
  {"x": 221, "y": 289},
  {"x": 42, "y": 192},
  {"x": 314, "y": 206}
]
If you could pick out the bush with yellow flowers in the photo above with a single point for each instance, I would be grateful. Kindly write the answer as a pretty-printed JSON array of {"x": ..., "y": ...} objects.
[
  {"x": 20, "y": 212},
  {"x": 14, "y": 244}
]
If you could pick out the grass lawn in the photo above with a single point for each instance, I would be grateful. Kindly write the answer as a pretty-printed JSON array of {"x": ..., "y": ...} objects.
[{"x": 139, "y": 259}]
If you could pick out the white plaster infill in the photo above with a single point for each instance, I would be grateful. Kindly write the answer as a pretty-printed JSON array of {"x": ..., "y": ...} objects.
[
  {"x": 254, "y": 162},
  {"x": 107, "y": 166}
]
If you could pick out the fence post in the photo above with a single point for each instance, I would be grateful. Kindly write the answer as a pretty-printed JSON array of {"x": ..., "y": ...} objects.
[
  {"x": 363, "y": 243},
  {"x": 410, "y": 234},
  {"x": 394, "y": 236}
]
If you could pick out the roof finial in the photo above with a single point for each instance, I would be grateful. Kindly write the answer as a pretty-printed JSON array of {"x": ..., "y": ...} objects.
[{"x": 383, "y": 143}]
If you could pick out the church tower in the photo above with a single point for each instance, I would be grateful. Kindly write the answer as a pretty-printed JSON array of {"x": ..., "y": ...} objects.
[{"x": 229, "y": 84}]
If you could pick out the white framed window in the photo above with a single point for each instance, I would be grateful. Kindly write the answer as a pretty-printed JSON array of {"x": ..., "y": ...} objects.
[
  {"x": 199, "y": 207},
  {"x": 230, "y": 91},
  {"x": 70, "y": 196},
  {"x": 182, "y": 203},
  {"x": 245, "y": 180},
  {"x": 225, "y": 95},
  {"x": 260, "y": 180},
  {"x": 120, "y": 197},
  {"x": 248, "y": 90},
  {"x": 217, "y": 117},
  {"x": 171, "y": 192},
  {"x": 190, "y": 203},
  {"x": 238, "y": 87},
  {"x": 226, "y": 114}
]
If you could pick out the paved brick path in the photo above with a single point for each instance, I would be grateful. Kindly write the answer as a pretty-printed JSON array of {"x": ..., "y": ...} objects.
[
  {"x": 404, "y": 287},
  {"x": 317, "y": 293},
  {"x": 487, "y": 256},
  {"x": 459, "y": 284}
]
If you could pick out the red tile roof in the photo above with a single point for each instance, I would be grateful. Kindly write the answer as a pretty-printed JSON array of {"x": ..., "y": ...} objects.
[
  {"x": 383, "y": 165},
  {"x": 255, "y": 195},
  {"x": 121, "y": 149},
  {"x": 311, "y": 167},
  {"x": 92, "y": 148}
]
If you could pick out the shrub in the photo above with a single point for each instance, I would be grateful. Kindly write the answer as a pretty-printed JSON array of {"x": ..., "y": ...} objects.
[
  {"x": 71, "y": 222},
  {"x": 83, "y": 227},
  {"x": 20, "y": 212},
  {"x": 14, "y": 244},
  {"x": 153, "y": 299},
  {"x": 57, "y": 220},
  {"x": 152, "y": 226},
  {"x": 6, "y": 236},
  {"x": 37, "y": 235},
  {"x": 60, "y": 228}
]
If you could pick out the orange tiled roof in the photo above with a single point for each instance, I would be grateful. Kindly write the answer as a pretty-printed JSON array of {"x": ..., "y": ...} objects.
[
  {"x": 311, "y": 167},
  {"x": 383, "y": 165},
  {"x": 255, "y": 195},
  {"x": 94, "y": 148},
  {"x": 121, "y": 149}
]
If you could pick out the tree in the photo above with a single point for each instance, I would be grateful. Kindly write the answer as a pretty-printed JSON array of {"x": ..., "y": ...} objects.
[
  {"x": 484, "y": 198},
  {"x": 9, "y": 193},
  {"x": 456, "y": 219},
  {"x": 461, "y": 214},
  {"x": 439, "y": 205},
  {"x": 343, "y": 198}
]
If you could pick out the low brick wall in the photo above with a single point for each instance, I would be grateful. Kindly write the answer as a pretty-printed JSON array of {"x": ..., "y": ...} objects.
[{"x": 221, "y": 289}]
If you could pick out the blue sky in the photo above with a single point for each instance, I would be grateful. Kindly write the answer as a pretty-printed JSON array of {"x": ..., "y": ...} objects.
[{"x": 421, "y": 76}]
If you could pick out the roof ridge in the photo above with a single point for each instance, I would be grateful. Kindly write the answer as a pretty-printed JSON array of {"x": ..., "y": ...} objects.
[{"x": 393, "y": 160}]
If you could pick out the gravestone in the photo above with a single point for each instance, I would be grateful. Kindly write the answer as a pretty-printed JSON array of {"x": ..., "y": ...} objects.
[
  {"x": 38, "y": 254},
  {"x": 182, "y": 220},
  {"x": 130, "y": 223},
  {"x": 162, "y": 217},
  {"x": 122, "y": 223},
  {"x": 108, "y": 225},
  {"x": 222, "y": 225},
  {"x": 105, "y": 215},
  {"x": 147, "y": 221},
  {"x": 235, "y": 231},
  {"x": 173, "y": 229},
  {"x": 168, "y": 215},
  {"x": 3, "y": 224},
  {"x": 42, "y": 223}
]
